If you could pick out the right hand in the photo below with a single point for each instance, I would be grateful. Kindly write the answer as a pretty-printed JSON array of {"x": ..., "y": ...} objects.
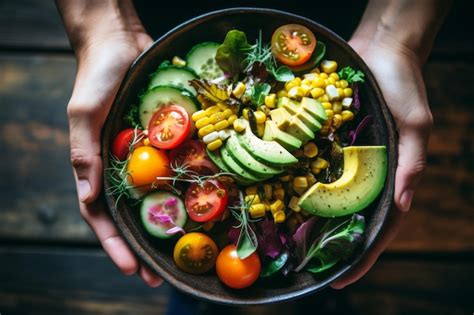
[{"x": 102, "y": 64}]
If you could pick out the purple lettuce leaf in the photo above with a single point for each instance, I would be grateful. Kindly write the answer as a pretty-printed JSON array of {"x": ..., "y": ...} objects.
[
  {"x": 302, "y": 236},
  {"x": 269, "y": 239},
  {"x": 353, "y": 134},
  {"x": 355, "y": 97}
]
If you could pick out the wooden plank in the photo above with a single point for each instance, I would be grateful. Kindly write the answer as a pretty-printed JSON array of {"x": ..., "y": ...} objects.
[
  {"x": 47, "y": 281},
  {"x": 38, "y": 195}
]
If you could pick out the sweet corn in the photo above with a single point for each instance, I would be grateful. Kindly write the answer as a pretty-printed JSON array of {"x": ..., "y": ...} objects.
[
  {"x": 300, "y": 190},
  {"x": 214, "y": 145},
  {"x": 227, "y": 113},
  {"x": 306, "y": 81},
  {"x": 329, "y": 66},
  {"x": 210, "y": 137},
  {"x": 239, "y": 90},
  {"x": 331, "y": 80},
  {"x": 335, "y": 76},
  {"x": 206, "y": 130},
  {"x": 319, "y": 82},
  {"x": 344, "y": 83},
  {"x": 245, "y": 113},
  {"x": 279, "y": 193},
  {"x": 222, "y": 106},
  {"x": 267, "y": 206},
  {"x": 291, "y": 84},
  {"x": 285, "y": 178},
  {"x": 277, "y": 185},
  {"x": 300, "y": 182},
  {"x": 198, "y": 115},
  {"x": 340, "y": 91},
  {"x": 293, "y": 204},
  {"x": 232, "y": 118},
  {"x": 260, "y": 130},
  {"x": 239, "y": 125},
  {"x": 317, "y": 92},
  {"x": 337, "y": 120},
  {"x": 337, "y": 107},
  {"x": 251, "y": 190},
  {"x": 221, "y": 125},
  {"x": 323, "y": 98},
  {"x": 311, "y": 179},
  {"x": 323, "y": 75},
  {"x": 146, "y": 141},
  {"x": 260, "y": 117},
  {"x": 216, "y": 117},
  {"x": 315, "y": 70},
  {"x": 310, "y": 149},
  {"x": 177, "y": 61},
  {"x": 315, "y": 170},
  {"x": 329, "y": 114},
  {"x": 212, "y": 110},
  {"x": 279, "y": 217},
  {"x": 270, "y": 100},
  {"x": 268, "y": 191},
  {"x": 327, "y": 105},
  {"x": 282, "y": 93},
  {"x": 325, "y": 129},
  {"x": 347, "y": 92},
  {"x": 306, "y": 88},
  {"x": 320, "y": 163},
  {"x": 296, "y": 92},
  {"x": 257, "y": 211},
  {"x": 277, "y": 206},
  {"x": 202, "y": 122},
  {"x": 252, "y": 199},
  {"x": 347, "y": 115}
]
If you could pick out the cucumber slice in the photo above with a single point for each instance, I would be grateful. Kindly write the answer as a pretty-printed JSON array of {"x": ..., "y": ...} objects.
[
  {"x": 202, "y": 59},
  {"x": 163, "y": 95},
  {"x": 165, "y": 204},
  {"x": 175, "y": 76}
]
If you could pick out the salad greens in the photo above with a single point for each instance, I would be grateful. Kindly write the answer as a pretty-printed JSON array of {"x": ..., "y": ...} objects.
[
  {"x": 232, "y": 52},
  {"x": 350, "y": 75}
]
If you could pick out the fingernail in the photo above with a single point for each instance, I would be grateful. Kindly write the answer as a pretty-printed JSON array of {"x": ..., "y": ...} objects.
[
  {"x": 84, "y": 189},
  {"x": 405, "y": 200},
  {"x": 155, "y": 283}
]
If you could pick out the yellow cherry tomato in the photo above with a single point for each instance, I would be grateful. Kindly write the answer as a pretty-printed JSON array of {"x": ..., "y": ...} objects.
[
  {"x": 195, "y": 253},
  {"x": 146, "y": 164}
]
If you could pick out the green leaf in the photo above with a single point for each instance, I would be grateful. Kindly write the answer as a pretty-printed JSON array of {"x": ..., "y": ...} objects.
[
  {"x": 232, "y": 52},
  {"x": 283, "y": 74},
  {"x": 247, "y": 243},
  {"x": 350, "y": 75},
  {"x": 165, "y": 64},
  {"x": 258, "y": 93},
  {"x": 274, "y": 265},
  {"x": 131, "y": 118}
]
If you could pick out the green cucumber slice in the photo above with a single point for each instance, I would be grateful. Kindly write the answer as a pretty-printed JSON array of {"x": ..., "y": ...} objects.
[
  {"x": 175, "y": 76},
  {"x": 202, "y": 59}
]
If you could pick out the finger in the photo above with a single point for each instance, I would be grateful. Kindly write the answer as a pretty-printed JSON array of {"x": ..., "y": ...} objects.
[
  {"x": 149, "y": 276},
  {"x": 390, "y": 231},
  {"x": 114, "y": 245}
]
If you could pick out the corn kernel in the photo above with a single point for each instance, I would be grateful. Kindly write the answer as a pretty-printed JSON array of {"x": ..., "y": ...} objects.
[
  {"x": 323, "y": 98},
  {"x": 329, "y": 114},
  {"x": 306, "y": 89},
  {"x": 279, "y": 193},
  {"x": 335, "y": 76},
  {"x": 311, "y": 179},
  {"x": 282, "y": 93},
  {"x": 337, "y": 84},
  {"x": 270, "y": 100},
  {"x": 337, "y": 107},
  {"x": 331, "y": 81},
  {"x": 267, "y": 206},
  {"x": 251, "y": 190},
  {"x": 291, "y": 84},
  {"x": 252, "y": 199},
  {"x": 344, "y": 83},
  {"x": 260, "y": 130},
  {"x": 260, "y": 117},
  {"x": 268, "y": 190},
  {"x": 214, "y": 145},
  {"x": 340, "y": 91},
  {"x": 279, "y": 217},
  {"x": 177, "y": 61},
  {"x": 347, "y": 115},
  {"x": 206, "y": 130},
  {"x": 202, "y": 122},
  {"x": 277, "y": 206},
  {"x": 300, "y": 182},
  {"x": 315, "y": 170},
  {"x": 315, "y": 70},
  {"x": 232, "y": 118},
  {"x": 245, "y": 113},
  {"x": 293, "y": 204},
  {"x": 222, "y": 106},
  {"x": 285, "y": 178},
  {"x": 310, "y": 150},
  {"x": 329, "y": 66},
  {"x": 257, "y": 211},
  {"x": 210, "y": 137},
  {"x": 277, "y": 185},
  {"x": 317, "y": 92},
  {"x": 227, "y": 113},
  {"x": 325, "y": 129},
  {"x": 319, "y": 82},
  {"x": 326, "y": 82},
  {"x": 320, "y": 163},
  {"x": 337, "y": 121},
  {"x": 239, "y": 90},
  {"x": 212, "y": 110},
  {"x": 198, "y": 115},
  {"x": 216, "y": 117},
  {"x": 146, "y": 141},
  {"x": 323, "y": 75},
  {"x": 239, "y": 125},
  {"x": 347, "y": 92},
  {"x": 300, "y": 190},
  {"x": 221, "y": 125},
  {"x": 326, "y": 105},
  {"x": 296, "y": 92}
]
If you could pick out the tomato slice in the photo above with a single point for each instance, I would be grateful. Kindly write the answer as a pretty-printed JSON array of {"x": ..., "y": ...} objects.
[
  {"x": 193, "y": 154},
  {"x": 122, "y": 142},
  {"x": 206, "y": 202},
  {"x": 293, "y": 44},
  {"x": 168, "y": 127}
]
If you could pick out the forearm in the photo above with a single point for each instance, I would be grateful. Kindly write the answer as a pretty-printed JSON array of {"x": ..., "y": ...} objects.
[{"x": 409, "y": 26}]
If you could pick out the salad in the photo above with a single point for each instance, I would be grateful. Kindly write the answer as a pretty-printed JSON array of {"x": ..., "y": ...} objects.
[{"x": 243, "y": 156}]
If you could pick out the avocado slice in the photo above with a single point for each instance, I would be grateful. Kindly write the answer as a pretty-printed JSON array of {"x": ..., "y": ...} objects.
[
  {"x": 216, "y": 157},
  {"x": 247, "y": 161},
  {"x": 272, "y": 132},
  {"x": 286, "y": 101},
  {"x": 299, "y": 130},
  {"x": 365, "y": 170},
  {"x": 268, "y": 152},
  {"x": 235, "y": 167},
  {"x": 300, "y": 112},
  {"x": 314, "y": 108},
  {"x": 281, "y": 117}
]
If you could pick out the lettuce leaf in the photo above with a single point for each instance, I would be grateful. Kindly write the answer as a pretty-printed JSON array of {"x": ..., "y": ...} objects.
[{"x": 231, "y": 53}]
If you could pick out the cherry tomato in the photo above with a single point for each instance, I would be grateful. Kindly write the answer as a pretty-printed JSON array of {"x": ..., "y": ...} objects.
[
  {"x": 121, "y": 144},
  {"x": 293, "y": 44},
  {"x": 195, "y": 253},
  {"x": 168, "y": 127},
  {"x": 193, "y": 154},
  {"x": 207, "y": 202},
  {"x": 235, "y": 272},
  {"x": 146, "y": 164}
]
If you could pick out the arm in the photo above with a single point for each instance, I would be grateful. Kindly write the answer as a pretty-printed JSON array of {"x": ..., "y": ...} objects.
[
  {"x": 394, "y": 38},
  {"x": 106, "y": 37}
]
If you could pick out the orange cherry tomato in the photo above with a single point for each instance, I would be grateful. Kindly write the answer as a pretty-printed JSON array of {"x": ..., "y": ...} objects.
[
  {"x": 293, "y": 44},
  {"x": 195, "y": 253},
  {"x": 235, "y": 272},
  {"x": 146, "y": 164}
]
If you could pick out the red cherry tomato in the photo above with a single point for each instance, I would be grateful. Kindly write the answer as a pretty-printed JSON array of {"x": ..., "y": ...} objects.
[
  {"x": 207, "y": 202},
  {"x": 122, "y": 142},
  {"x": 293, "y": 44},
  {"x": 193, "y": 154},
  {"x": 235, "y": 272},
  {"x": 168, "y": 127}
]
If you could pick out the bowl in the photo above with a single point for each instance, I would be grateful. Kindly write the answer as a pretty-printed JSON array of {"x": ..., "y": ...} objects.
[{"x": 213, "y": 27}]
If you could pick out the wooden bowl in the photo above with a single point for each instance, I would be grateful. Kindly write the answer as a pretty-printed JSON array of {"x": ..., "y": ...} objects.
[{"x": 213, "y": 27}]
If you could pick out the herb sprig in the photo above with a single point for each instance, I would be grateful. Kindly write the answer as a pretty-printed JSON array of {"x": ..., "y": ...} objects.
[{"x": 247, "y": 242}]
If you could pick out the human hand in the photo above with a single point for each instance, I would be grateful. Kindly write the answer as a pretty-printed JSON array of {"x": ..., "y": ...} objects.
[
  {"x": 397, "y": 70},
  {"x": 103, "y": 59}
]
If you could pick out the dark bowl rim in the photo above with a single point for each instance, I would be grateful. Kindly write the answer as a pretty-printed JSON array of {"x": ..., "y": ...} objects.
[{"x": 384, "y": 208}]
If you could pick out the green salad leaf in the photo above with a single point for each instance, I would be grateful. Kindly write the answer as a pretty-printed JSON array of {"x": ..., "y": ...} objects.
[
  {"x": 258, "y": 92},
  {"x": 283, "y": 74},
  {"x": 274, "y": 265},
  {"x": 350, "y": 75},
  {"x": 231, "y": 53}
]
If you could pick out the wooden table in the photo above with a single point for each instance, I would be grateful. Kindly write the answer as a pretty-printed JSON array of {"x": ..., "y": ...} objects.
[{"x": 51, "y": 263}]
